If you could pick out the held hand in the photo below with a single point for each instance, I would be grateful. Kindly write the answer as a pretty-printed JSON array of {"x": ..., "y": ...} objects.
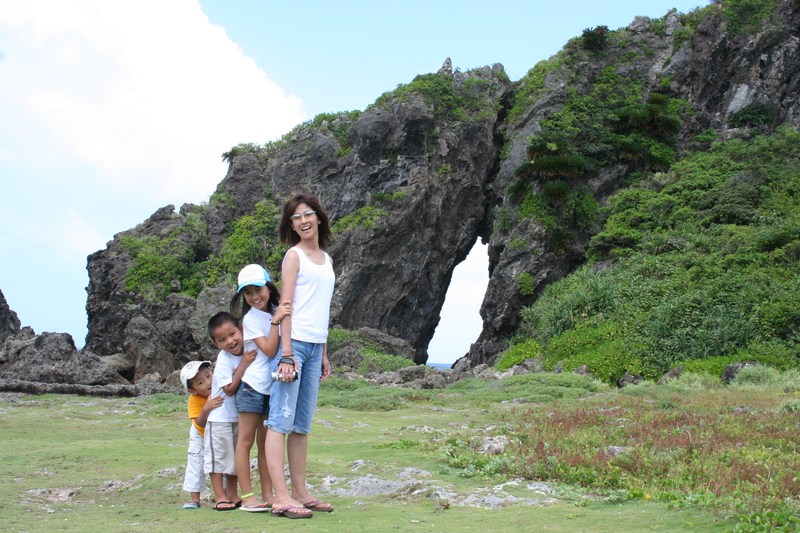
[
  {"x": 282, "y": 311},
  {"x": 248, "y": 357},
  {"x": 213, "y": 403},
  {"x": 286, "y": 372},
  {"x": 286, "y": 369},
  {"x": 326, "y": 368}
]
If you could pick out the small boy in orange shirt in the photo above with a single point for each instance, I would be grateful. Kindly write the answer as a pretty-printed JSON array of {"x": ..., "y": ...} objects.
[{"x": 196, "y": 378}]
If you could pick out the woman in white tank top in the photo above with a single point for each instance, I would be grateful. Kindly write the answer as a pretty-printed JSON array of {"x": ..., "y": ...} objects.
[{"x": 307, "y": 281}]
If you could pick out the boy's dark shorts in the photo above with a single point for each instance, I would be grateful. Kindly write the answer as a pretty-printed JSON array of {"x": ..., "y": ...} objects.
[{"x": 249, "y": 400}]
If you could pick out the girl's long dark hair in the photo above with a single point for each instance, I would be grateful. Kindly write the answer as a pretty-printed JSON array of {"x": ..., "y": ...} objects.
[{"x": 239, "y": 306}]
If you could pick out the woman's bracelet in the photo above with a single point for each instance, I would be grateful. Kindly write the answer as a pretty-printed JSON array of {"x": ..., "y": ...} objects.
[
  {"x": 275, "y": 323},
  {"x": 287, "y": 360}
]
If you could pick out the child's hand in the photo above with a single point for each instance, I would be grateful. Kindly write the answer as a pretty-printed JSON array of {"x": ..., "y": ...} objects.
[
  {"x": 213, "y": 403},
  {"x": 248, "y": 357},
  {"x": 282, "y": 311}
]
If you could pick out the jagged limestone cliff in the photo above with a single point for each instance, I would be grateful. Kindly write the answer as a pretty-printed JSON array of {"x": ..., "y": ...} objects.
[{"x": 412, "y": 182}]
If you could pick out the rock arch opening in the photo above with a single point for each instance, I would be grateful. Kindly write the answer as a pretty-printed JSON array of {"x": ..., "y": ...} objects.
[{"x": 460, "y": 323}]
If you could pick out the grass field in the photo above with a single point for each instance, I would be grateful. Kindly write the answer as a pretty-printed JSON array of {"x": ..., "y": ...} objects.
[{"x": 72, "y": 463}]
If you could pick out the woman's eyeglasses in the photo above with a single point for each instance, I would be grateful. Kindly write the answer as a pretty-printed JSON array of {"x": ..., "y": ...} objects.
[{"x": 308, "y": 213}]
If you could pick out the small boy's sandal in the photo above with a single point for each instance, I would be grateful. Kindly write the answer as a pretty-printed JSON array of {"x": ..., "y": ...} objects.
[{"x": 191, "y": 505}]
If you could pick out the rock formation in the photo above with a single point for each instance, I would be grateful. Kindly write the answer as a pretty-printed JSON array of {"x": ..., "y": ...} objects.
[
  {"x": 410, "y": 184},
  {"x": 9, "y": 321}
]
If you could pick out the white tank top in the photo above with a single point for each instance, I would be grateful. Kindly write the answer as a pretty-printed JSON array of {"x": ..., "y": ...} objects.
[{"x": 311, "y": 308}]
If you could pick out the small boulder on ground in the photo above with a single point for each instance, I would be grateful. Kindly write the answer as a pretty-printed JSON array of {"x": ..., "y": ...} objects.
[{"x": 730, "y": 371}]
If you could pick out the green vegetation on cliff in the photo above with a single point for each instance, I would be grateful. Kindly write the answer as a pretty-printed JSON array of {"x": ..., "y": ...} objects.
[
  {"x": 459, "y": 97},
  {"x": 179, "y": 260},
  {"x": 697, "y": 265}
]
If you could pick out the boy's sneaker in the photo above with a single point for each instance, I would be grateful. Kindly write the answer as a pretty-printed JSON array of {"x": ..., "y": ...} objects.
[{"x": 191, "y": 505}]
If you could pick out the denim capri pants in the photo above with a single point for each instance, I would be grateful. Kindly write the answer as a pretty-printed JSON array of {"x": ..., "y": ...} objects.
[{"x": 292, "y": 403}]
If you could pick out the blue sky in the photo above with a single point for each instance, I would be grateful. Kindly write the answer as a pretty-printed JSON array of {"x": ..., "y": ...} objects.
[{"x": 110, "y": 109}]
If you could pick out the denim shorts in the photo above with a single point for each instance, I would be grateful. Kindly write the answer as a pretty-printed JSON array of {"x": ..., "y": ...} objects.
[
  {"x": 249, "y": 400},
  {"x": 292, "y": 403}
]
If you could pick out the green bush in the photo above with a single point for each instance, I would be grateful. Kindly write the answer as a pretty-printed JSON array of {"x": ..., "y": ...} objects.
[
  {"x": 712, "y": 366},
  {"x": 382, "y": 362},
  {"x": 754, "y": 115},
  {"x": 595, "y": 38},
  {"x": 605, "y": 350},
  {"x": 365, "y": 217},
  {"x": 703, "y": 294},
  {"x": 239, "y": 149},
  {"x": 363, "y": 397},
  {"x": 162, "y": 264},
  {"x": 251, "y": 239},
  {"x": 444, "y": 169},
  {"x": 514, "y": 355},
  {"x": 769, "y": 378},
  {"x": 465, "y": 99},
  {"x": 526, "y": 284},
  {"x": 531, "y": 86},
  {"x": 339, "y": 337},
  {"x": 746, "y": 16}
]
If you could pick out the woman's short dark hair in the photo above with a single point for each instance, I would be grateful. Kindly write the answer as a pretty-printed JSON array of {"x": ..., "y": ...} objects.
[{"x": 286, "y": 231}]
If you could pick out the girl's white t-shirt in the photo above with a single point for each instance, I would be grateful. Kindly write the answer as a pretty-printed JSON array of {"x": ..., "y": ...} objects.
[
  {"x": 256, "y": 323},
  {"x": 311, "y": 308}
]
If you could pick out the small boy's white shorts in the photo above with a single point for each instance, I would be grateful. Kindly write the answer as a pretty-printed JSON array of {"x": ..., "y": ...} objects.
[
  {"x": 220, "y": 441},
  {"x": 194, "y": 480}
]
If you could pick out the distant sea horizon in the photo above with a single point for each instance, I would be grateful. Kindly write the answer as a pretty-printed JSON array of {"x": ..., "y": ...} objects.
[{"x": 440, "y": 366}]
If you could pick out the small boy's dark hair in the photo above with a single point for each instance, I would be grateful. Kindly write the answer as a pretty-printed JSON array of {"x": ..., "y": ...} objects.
[{"x": 220, "y": 319}]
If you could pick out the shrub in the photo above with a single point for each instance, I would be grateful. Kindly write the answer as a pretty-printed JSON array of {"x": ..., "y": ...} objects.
[
  {"x": 754, "y": 115},
  {"x": 239, "y": 149},
  {"x": 162, "y": 264},
  {"x": 365, "y": 217},
  {"x": 711, "y": 366},
  {"x": 385, "y": 198},
  {"x": 382, "y": 362},
  {"x": 468, "y": 100},
  {"x": 514, "y": 355},
  {"x": 526, "y": 284},
  {"x": 604, "y": 349},
  {"x": 595, "y": 38},
  {"x": 765, "y": 377},
  {"x": 746, "y": 16},
  {"x": 756, "y": 375},
  {"x": 531, "y": 86},
  {"x": 339, "y": 337},
  {"x": 252, "y": 239},
  {"x": 791, "y": 407}
]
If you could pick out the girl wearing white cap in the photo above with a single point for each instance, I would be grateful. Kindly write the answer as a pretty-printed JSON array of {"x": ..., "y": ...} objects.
[{"x": 259, "y": 301}]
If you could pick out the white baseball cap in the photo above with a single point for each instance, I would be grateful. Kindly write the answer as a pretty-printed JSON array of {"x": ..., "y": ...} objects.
[
  {"x": 190, "y": 370},
  {"x": 253, "y": 275}
]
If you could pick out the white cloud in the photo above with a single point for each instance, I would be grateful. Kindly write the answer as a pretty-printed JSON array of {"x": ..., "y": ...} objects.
[
  {"x": 148, "y": 93},
  {"x": 75, "y": 237},
  {"x": 110, "y": 109}
]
